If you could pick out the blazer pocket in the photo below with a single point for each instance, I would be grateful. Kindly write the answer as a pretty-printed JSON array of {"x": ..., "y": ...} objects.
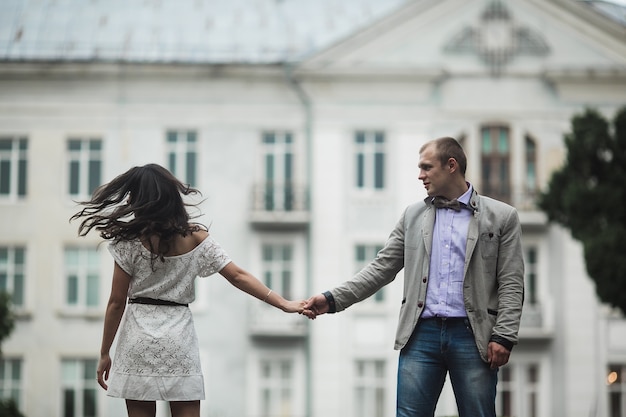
[{"x": 489, "y": 243}]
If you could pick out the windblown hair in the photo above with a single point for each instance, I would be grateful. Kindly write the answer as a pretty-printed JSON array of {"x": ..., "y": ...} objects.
[
  {"x": 447, "y": 148},
  {"x": 142, "y": 203}
]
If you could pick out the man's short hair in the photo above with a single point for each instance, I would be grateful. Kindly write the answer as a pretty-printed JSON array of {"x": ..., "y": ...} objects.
[{"x": 446, "y": 148}]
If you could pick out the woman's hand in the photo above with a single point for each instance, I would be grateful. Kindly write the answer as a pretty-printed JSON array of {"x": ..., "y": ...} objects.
[
  {"x": 299, "y": 307},
  {"x": 294, "y": 306},
  {"x": 104, "y": 366}
]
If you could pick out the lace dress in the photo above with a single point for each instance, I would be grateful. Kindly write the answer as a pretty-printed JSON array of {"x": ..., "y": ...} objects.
[{"x": 157, "y": 355}]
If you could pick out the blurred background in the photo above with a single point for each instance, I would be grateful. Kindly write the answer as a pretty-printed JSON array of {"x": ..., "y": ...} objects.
[{"x": 300, "y": 121}]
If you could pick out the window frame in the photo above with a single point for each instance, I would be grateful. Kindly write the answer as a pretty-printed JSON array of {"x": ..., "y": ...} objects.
[
  {"x": 370, "y": 394},
  {"x": 273, "y": 270},
  {"x": 10, "y": 384},
  {"x": 87, "y": 368},
  {"x": 13, "y": 269},
  {"x": 277, "y": 387},
  {"x": 371, "y": 159},
  {"x": 515, "y": 380},
  {"x": 278, "y": 150},
  {"x": 80, "y": 162},
  {"x": 82, "y": 272},
  {"x": 16, "y": 157},
  {"x": 496, "y": 159},
  {"x": 616, "y": 390},
  {"x": 182, "y": 151}
]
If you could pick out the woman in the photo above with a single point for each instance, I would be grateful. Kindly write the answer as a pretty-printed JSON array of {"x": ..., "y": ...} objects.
[{"x": 158, "y": 254}]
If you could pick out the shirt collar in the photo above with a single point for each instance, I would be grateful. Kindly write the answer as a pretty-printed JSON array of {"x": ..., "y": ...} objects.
[{"x": 467, "y": 195}]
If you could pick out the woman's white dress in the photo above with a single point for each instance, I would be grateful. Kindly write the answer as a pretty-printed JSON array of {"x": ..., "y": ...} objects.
[{"x": 157, "y": 355}]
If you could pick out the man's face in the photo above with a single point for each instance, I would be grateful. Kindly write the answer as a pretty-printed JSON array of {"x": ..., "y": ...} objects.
[{"x": 436, "y": 178}]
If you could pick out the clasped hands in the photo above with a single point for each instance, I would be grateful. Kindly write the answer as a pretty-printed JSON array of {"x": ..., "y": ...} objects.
[{"x": 313, "y": 307}]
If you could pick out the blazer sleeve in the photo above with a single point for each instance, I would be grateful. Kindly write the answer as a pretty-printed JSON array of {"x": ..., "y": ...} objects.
[{"x": 510, "y": 280}]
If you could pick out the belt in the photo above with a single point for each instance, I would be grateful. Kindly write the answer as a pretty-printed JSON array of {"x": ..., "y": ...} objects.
[
  {"x": 154, "y": 301},
  {"x": 440, "y": 319}
]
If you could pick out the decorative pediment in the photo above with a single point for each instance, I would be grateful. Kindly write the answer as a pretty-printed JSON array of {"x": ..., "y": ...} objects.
[{"x": 497, "y": 38}]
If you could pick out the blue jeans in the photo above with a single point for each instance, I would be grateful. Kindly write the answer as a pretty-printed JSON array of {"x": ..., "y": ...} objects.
[{"x": 437, "y": 347}]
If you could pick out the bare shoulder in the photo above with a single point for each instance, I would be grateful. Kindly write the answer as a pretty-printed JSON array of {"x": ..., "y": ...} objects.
[
  {"x": 199, "y": 234},
  {"x": 187, "y": 243}
]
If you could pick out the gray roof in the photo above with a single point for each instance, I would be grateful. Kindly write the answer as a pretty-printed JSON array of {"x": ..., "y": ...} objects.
[
  {"x": 614, "y": 11},
  {"x": 188, "y": 31},
  {"x": 246, "y": 31}
]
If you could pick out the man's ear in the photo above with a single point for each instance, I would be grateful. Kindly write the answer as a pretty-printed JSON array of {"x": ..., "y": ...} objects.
[{"x": 452, "y": 164}]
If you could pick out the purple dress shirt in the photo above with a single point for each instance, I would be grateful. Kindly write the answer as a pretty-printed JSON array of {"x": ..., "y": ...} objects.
[{"x": 444, "y": 296}]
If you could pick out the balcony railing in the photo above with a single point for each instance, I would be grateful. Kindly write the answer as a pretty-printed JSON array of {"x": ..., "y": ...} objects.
[
  {"x": 279, "y": 206},
  {"x": 535, "y": 323},
  {"x": 266, "y": 321}
]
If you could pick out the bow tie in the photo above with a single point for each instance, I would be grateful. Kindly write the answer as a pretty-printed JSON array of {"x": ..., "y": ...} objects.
[{"x": 441, "y": 202}]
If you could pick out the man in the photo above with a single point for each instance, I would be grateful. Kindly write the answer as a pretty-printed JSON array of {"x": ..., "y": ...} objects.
[{"x": 463, "y": 288}]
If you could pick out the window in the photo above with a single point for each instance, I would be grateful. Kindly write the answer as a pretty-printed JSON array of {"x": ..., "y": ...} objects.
[
  {"x": 11, "y": 380},
  {"x": 82, "y": 267},
  {"x": 182, "y": 155},
  {"x": 370, "y": 159},
  {"x": 79, "y": 387},
  {"x": 531, "y": 166},
  {"x": 495, "y": 151},
  {"x": 518, "y": 390},
  {"x": 616, "y": 382},
  {"x": 363, "y": 255},
  {"x": 530, "y": 270},
  {"x": 85, "y": 166},
  {"x": 276, "y": 387},
  {"x": 12, "y": 273},
  {"x": 278, "y": 171},
  {"x": 369, "y": 390},
  {"x": 13, "y": 164},
  {"x": 278, "y": 268},
  {"x": 506, "y": 390}
]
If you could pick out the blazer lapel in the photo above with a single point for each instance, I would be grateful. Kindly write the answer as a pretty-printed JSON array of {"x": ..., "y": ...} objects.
[
  {"x": 428, "y": 226},
  {"x": 472, "y": 231}
]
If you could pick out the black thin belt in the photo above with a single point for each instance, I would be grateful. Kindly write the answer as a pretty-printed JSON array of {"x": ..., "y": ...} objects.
[
  {"x": 154, "y": 301},
  {"x": 440, "y": 319}
]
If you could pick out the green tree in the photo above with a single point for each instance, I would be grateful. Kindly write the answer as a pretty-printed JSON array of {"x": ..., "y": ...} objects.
[
  {"x": 588, "y": 196},
  {"x": 6, "y": 317},
  {"x": 8, "y": 408}
]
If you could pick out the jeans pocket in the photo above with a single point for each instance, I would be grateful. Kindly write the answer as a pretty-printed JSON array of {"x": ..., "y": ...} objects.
[{"x": 468, "y": 326}]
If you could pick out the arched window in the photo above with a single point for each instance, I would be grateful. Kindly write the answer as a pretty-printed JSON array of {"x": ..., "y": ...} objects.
[
  {"x": 530, "y": 186},
  {"x": 495, "y": 162}
]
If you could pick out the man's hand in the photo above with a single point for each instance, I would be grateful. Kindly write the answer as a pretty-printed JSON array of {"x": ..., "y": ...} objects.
[
  {"x": 497, "y": 355},
  {"x": 316, "y": 305}
]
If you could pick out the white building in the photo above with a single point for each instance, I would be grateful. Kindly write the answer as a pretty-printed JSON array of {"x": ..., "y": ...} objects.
[{"x": 301, "y": 122}]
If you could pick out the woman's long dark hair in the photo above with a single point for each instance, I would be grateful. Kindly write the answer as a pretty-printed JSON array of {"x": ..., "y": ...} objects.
[{"x": 142, "y": 203}]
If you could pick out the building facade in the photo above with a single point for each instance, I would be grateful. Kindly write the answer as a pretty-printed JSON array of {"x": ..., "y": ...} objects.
[{"x": 306, "y": 162}]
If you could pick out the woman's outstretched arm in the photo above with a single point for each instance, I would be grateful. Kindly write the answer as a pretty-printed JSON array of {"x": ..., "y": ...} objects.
[{"x": 248, "y": 283}]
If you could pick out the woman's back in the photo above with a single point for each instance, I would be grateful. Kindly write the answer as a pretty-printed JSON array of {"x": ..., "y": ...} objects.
[{"x": 172, "y": 277}]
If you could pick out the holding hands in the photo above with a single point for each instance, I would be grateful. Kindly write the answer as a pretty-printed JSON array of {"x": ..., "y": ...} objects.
[
  {"x": 315, "y": 306},
  {"x": 296, "y": 306},
  {"x": 300, "y": 307}
]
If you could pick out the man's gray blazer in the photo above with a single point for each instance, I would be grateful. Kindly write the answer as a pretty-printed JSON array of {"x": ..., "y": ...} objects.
[{"x": 493, "y": 287}]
